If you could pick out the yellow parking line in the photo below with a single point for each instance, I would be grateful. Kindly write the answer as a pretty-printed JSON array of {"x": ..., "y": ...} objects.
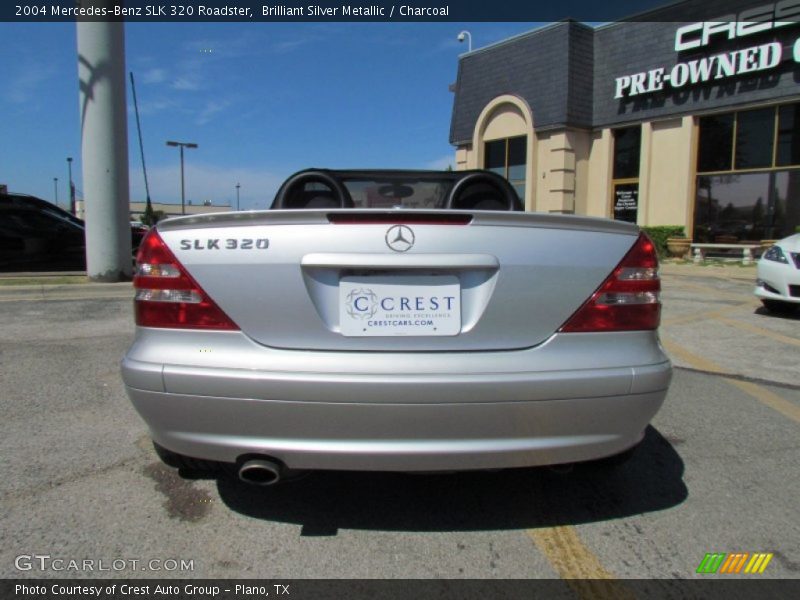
[
  {"x": 703, "y": 289},
  {"x": 705, "y": 315},
  {"x": 577, "y": 565},
  {"x": 758, "y": 330},
  {"x": 763, "y": 395},
  {"x": 770, "y": 399}
]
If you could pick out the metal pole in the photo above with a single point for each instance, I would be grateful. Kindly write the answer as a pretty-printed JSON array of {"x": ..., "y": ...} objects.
[
  {"x": 237, "y": 197},
  {"x": 71, "y": 187},
  {"x": 466, "y": 34},
  {"x": 182, "y": 145},
  {"x": 55, "y": 185},
  {"x": 104, "y": 148},
  {"x": 183, "y": 195}
]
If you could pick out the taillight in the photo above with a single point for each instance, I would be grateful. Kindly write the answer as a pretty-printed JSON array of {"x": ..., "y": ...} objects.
[
  {"x": 628, "y": 299},
  {"x": 167, "y": 296}
]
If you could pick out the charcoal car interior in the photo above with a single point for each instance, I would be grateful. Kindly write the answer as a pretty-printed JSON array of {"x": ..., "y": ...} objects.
[
  {"x": 312, "y": 189},
  {"x": 460, "y": 190},
  {"x": 483, "y": 191}
]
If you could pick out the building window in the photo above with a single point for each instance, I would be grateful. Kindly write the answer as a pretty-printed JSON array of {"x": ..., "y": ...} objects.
[
  {"x": 755, "y": 133},
  {"x": 747, "y": 206},
  {"x": 742, "y": 195},
  {"x": 627, "y": 153},
  {"x": 788, "y": 136},
  {"x": 715, "y": 148},
  {"x": 508, "y": 157},
  {"x": 763, "y": 138}
]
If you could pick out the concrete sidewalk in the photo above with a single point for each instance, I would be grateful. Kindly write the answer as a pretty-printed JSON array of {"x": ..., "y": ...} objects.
[{"x": 64, "y": 291}]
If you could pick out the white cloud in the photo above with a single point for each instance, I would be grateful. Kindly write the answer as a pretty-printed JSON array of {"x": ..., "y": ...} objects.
[
  {"x": 297, "y": 41},
  {"x": 186, "y": 83},
  {"x": 27, "y": 83},
  {"x": 152, "y": 107},
  {"x": 154, "y": 76},
  {"x": 211, "y": 108}
]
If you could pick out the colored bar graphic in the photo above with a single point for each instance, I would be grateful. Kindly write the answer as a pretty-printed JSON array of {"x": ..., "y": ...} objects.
[
  {"x": 711, "y": 563},
  {"x": 733, "y": 563},
  {"x": 758, "y": 563}
]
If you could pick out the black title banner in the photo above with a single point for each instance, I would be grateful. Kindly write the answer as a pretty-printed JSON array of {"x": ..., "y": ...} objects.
[{"x": 325, "y": 10}]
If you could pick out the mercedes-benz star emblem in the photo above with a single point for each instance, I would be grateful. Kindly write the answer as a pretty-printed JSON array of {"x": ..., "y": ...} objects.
[{"x": 399, "y": 238}]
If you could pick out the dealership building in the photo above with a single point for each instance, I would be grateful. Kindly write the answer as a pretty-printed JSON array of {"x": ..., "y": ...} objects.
[{"x": 685, "y": 115}]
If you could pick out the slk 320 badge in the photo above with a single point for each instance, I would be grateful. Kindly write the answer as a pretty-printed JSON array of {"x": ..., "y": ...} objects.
[{"x": 226, "y": 244}]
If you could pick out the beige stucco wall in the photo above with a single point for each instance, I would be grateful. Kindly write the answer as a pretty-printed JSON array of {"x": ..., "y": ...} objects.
[
  {"x": 571, "y": 170},
  {"x": 505, "y": 116},
  {"x": 562, "y": 174},
  {"x": 598, "y": 196},
  {"x": 557, "y": 170},
  {"x": 505, "y": 121},
  {"x": 667, "y": 172}
]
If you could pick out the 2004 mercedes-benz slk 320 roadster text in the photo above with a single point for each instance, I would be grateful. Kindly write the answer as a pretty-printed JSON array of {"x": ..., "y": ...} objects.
[{"x": 396, "y": 321}]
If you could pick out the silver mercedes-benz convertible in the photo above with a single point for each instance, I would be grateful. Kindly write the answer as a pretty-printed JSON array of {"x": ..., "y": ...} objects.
[{"x": 394, "y": 321}]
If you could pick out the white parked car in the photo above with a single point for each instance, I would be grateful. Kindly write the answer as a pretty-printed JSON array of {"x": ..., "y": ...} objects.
[{"x": 778, "y": 283}]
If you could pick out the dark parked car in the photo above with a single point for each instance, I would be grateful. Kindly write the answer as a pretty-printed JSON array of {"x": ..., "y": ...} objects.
[{"x": 36, "y": 235}]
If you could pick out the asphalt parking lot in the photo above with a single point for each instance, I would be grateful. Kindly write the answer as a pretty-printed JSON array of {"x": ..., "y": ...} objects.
[{"x": 717, "y": 472}]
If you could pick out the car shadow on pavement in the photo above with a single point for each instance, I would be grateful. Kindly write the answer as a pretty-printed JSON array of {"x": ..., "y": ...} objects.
[
  {"x": 327, "y": 501},
  {"x": 789, "y": 314}
]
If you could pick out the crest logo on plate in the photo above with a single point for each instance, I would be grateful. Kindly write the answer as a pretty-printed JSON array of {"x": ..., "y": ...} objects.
[
  {"x": 400, "y": 238},
  {"x": 362, "y": 303}
]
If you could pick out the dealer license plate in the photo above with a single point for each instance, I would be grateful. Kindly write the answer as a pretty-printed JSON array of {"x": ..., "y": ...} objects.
[{"x": 390, "y": 305}]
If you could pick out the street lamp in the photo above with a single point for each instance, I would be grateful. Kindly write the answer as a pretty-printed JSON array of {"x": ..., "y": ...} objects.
[
  {"x": 468, "y": 36},
  {"x": 182, "y": 145},
  {"x": 55, "y": 185},
  {"x": 71, "y": 187},
  {"x": 237, "y": 197}
]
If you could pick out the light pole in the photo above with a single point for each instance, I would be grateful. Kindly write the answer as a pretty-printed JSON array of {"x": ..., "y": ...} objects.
[
  {"x": 182, "y": 145},
  {"x": 55, "y": 185},
  {"x": 466, "y": 34},
  {"x": 71, "y": 187},
  {"x": 237, "y": 197}
]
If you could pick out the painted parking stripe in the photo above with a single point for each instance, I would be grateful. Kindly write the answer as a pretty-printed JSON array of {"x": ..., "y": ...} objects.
[
  {"x": 712, "y": 314},
  {"x": 577, "y": 565},
  {"x": 706, "y": 290},
  {"x": 785, "y": 339},
  {"x": 763, "y": 395}
]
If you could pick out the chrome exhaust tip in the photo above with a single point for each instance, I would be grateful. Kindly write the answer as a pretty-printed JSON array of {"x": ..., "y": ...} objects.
[{"x": 260, "y": 471}]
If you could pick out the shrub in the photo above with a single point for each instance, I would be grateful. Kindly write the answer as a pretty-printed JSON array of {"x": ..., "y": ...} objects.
[{"x": 660, "y": 234}]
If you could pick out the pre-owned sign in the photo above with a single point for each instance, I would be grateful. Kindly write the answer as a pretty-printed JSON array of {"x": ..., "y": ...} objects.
[
  {"x": 708, "y": 68},
  {"x": 756, "y": 58}
]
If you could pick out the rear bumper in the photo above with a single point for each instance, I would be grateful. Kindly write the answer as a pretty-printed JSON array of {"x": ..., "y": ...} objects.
[
  {"x": 392, "y": 437},
  {"x": 442, "y": 413}
]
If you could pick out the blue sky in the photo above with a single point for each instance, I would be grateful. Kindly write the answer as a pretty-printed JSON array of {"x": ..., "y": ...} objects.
[{"x": 262, "y": 100}]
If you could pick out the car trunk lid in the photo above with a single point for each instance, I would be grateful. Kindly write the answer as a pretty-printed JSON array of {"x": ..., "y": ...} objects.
[{"x": 376, "y": 280}]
